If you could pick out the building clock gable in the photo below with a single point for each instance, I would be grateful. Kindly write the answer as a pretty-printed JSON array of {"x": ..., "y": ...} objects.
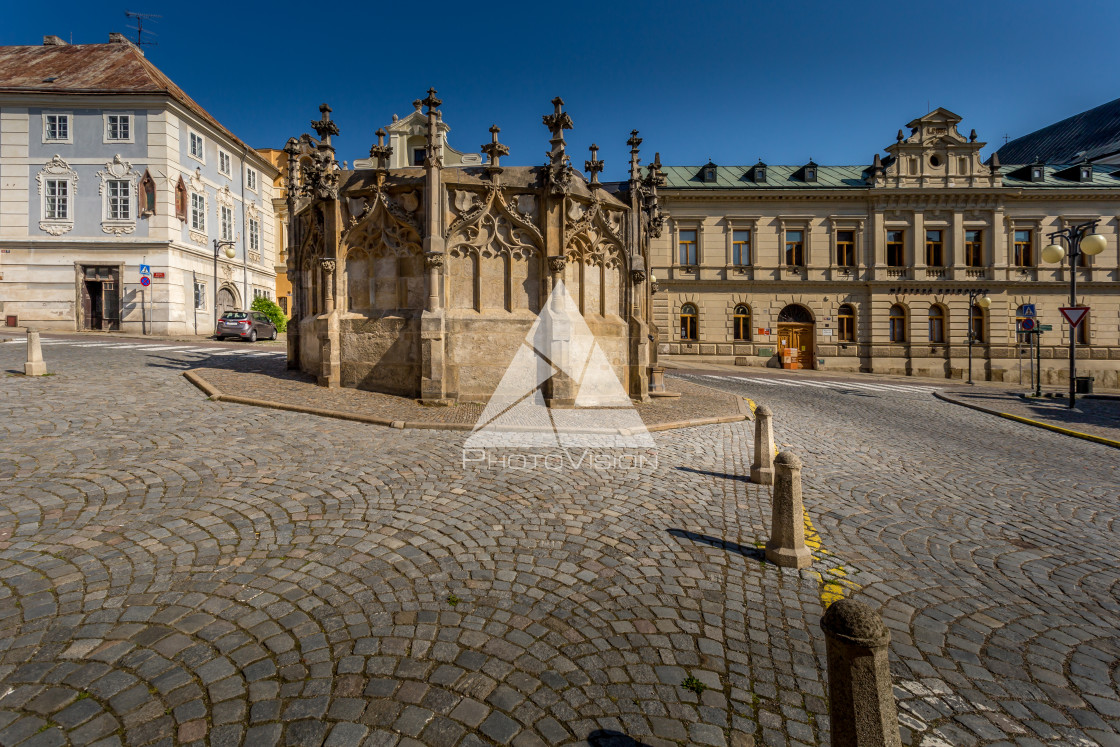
[{"x": 935, "y": 154}]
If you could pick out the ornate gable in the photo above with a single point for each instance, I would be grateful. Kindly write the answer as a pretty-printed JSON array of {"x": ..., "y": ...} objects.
[{"x": 935, "y": 154}]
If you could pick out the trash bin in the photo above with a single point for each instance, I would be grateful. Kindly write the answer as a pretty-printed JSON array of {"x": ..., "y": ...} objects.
[{"x": 1083, "y": 384}]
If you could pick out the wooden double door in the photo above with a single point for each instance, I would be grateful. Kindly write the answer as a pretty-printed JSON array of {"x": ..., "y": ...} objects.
[
  {"x": 799, "y": 338},
  {"x": 101, "y": 298}
]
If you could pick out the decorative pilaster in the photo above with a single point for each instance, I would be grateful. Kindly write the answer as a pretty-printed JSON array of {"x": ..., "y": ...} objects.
[{"x": 434, "y": 264}]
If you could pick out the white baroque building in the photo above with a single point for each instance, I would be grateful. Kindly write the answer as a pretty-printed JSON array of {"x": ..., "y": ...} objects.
[{"x": 105, "y": 165}]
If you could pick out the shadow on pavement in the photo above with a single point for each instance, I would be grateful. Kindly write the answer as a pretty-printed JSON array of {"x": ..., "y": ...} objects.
[
  {"x": 740, "y": 478},
  {"x": 754, "y": 553},
  {"x": 610, "y": 738}
]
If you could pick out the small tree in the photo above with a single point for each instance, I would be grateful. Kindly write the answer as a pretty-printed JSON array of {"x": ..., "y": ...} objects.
[{"x": 269, "y": 308}]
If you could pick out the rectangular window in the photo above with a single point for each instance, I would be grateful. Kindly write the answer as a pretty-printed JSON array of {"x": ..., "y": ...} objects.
[
  {"x": 741, "y": 248},
  {"x": 251, "y": 179},
  {"x": 896, "y": 248},
  {"x": 57, "y": 127},
  {"x": 198, "y": 212},
  {"x": 795, "y": 248},
  {"x": 846, "y": 248},
  {"x": 417, "y": 156},
  {"x": 120, "y": 200},
  {"x": 58, "y": 200},
  {"x": 254, "y": 235},
  {"x": 200, "y": 296},
  {"x": 687, "y": 246},
  {"x": 935, "y": 249},
  {"x": 118, "y": 126},
  {"x": 226, "y": 225},
  {"x": 224, "y": 163},
  {"x": 1024, "y": 249},
  {"x": 974, "y": 248},
  {"x": 196, "y": 146}
]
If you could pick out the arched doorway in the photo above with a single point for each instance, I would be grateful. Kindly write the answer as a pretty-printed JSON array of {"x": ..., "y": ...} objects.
[
  {"x": 227, "y": 301},
  {"x": 795, "y": 333}
]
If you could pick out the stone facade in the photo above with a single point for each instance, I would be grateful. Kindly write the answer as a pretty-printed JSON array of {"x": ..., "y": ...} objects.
[
  {"x": 830, "y": 252},
  {"x": 94, "y": 185},
  {"x": 424, "y": 280}
]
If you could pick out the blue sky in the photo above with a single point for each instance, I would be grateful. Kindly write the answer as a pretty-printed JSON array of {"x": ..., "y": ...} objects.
[{"x": 730, "y": 81}]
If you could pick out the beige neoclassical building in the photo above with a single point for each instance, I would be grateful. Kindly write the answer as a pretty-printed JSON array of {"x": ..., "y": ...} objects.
[{"x": 869, "y": 268}]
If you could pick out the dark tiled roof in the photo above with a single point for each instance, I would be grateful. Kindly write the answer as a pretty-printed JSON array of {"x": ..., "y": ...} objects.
[
  {"x": 1059, "y": 176},
  {"x": 1095, "y": 132},
  {"x": 114, "y": 68}
]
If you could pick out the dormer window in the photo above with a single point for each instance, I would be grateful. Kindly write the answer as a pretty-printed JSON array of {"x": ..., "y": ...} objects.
[
  {"x": 759, "y": 172},
  {"x": 1038, "y": 172},
  {"x": 809, "y": 171},
  {"x": 708, "y": 173},
  {"x": 1085, "y": 173}
]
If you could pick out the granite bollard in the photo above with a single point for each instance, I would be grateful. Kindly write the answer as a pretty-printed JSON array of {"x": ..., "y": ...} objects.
[
  {"x": 787, "y": 519},
  {"x": 762, "y": 471},
  {"x": 862, "y": 710},
  {"x": 34, "y": 365}
]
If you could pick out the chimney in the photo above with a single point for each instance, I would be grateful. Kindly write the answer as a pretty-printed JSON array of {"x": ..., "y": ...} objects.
[
  {"x": 118, "y": 38},
  {"x": 54, "y": 41}
]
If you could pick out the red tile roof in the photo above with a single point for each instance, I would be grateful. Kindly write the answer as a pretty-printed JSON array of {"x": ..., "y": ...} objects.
[{"x": 114, "y": 68}]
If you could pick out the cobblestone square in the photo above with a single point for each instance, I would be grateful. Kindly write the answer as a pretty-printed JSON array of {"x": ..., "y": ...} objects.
[{"x": 180, "y": 571}]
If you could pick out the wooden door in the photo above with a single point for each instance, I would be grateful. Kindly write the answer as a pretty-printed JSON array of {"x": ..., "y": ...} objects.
[{"x": 799, "y": 337}]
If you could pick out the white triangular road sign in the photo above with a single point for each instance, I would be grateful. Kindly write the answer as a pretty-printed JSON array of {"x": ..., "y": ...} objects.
[{"x": 1074, "y": 314}]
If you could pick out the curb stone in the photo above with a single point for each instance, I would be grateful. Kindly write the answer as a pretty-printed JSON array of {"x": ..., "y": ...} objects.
[{"x": 1027, "y": 421}]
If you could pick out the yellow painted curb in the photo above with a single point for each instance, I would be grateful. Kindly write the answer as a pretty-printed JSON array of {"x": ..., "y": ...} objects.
[{"x": 1036, "y": 423}]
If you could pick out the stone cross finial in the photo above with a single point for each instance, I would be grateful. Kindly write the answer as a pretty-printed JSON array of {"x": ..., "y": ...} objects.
[
  {"x": 594, "y": 165},
  {"x": 634, "y": 142},
  {"x": 431, "y": 102},
  {"x": 494, "y": 149},
  {"x": 557, "y": 122},
  {"x": 324, "y": 128},
  {"x": 381, "y": 151}
]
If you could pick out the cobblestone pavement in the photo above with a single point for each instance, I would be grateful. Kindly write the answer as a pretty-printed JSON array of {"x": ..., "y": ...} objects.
[{"x": 179, "y": 571}]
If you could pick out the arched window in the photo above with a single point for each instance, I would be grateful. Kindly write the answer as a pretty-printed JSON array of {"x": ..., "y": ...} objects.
[
  {"x": 742, "y": 321},
  {"x": 936, "y": 323},
  {"x": 898, "y": 323},
  {"x": 976, "y": 323},
  {"x": 688, "y": 322},
  {"x": 846, "y": 321}
]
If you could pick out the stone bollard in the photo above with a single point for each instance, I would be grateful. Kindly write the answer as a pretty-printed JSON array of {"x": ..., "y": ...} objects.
[
  {"x": 787, "y": 520},
  {"x": 762, "y": 471},
  {"x": 35, "y": 365},
  {"x": 860, "y": 695}
]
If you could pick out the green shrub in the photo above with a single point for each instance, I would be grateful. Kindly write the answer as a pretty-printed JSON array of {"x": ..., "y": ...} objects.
[{"x": 269, "y": 308}]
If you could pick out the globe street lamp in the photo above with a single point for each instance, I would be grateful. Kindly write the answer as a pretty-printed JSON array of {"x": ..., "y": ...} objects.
[
  {"x": 975, "y": 298},
  {"x": 1081, "y": 240},
  {"x": 230, "y": 253}
]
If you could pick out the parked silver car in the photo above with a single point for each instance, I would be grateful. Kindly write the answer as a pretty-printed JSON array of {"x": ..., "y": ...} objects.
[{"x": 246, "y": 325}]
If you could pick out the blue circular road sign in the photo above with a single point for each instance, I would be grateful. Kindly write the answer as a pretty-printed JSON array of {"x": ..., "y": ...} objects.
[{"x": 145, "y": 281}]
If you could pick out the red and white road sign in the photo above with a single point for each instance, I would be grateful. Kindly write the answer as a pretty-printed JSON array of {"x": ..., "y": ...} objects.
[{"x": 1074, "y": 314}]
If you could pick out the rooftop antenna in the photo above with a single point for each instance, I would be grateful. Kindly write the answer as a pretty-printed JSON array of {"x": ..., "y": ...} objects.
[{"x": 139, "y": 27}]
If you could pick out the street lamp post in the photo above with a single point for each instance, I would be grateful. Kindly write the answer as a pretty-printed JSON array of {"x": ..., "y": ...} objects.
[
  {"x": 979, "y": 298},
  {"x": 1081, "y": 240},
  {"x": 231, "y": 252}
]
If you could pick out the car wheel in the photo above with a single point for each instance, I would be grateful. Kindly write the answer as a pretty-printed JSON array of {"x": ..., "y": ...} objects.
[
  {"x": 219, "y": 338},
  {"x": 253, "y": 336},
  {"x": 274, "y": 333}
]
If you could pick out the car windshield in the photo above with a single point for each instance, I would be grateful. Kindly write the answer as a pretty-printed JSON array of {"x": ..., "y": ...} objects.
[{"x": 235, "y": 315}]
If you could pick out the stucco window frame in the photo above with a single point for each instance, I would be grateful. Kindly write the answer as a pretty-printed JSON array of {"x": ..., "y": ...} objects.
[
  {"x": 119, "y": 170},
  {"x": 228, "y": 173},
  {"x": 105, "y": 139},
  {"x": 201, "y": 156},
  {"x": 795, "y": 223},
  {"x": 856, "y": 225},
  {"x": 69, "y": 139},
  {"x": 198, "y": 234},
  {"x": 733, "y": 223},
  {"x": 696, "y": 226},
  {"x": 57, "y": 169},
  {"x": 1034, "y": 226}
]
